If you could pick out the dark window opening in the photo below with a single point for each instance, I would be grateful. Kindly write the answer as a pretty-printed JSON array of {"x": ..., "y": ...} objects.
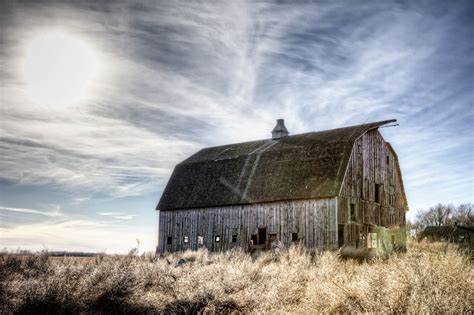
[
  {"x": 352, "y": 213},
  {"x": 262, "y": 236},
  {"x": 377, "y": 193},
  {"x": 388, "y": 160},
  {"x": 169, "y": 240},
  {"x": 340, "y": 235},
  {"x": 217, "y": 238},
  {"x": 294, "y": 237},
  {"x": 234, "y": 238},
  {"x": 185, "y": 239},
  {"x": 253, "y": 238}
]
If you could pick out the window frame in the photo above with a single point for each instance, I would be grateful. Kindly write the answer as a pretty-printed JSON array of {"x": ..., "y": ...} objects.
[
  {"x": 377, "y": 191},
  {"x": 352, "y": 212},
  {"x": 200, "y": 240}
]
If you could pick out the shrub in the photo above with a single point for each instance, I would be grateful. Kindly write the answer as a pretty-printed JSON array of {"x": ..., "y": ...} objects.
[{"x": 432, "y": 278}]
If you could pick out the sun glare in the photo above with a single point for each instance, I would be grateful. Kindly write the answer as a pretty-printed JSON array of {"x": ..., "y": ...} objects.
[{"x": 59, "y": 68}]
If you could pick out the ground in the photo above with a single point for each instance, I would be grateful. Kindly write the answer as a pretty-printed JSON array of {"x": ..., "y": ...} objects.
[{"x": 434, "y": 278}]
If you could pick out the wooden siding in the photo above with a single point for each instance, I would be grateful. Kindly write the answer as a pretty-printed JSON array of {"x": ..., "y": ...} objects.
[
  {"x": 372, "y": 163},
  {"x": 315, "y": 221}
]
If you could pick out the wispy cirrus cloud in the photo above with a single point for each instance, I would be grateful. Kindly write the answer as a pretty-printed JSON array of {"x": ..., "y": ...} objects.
[
  {"x": 47, "y": 213},
  {"x": 117, "y": 215}
]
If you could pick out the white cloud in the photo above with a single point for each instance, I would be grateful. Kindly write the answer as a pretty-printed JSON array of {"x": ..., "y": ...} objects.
[
  {"x": 76, "y": 235},
  {"x": 117, "y": 215},
  {"x": 48, "y": 213}
]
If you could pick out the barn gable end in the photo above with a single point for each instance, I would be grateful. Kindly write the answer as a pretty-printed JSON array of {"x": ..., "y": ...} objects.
[{"x": 372, "y": 192}]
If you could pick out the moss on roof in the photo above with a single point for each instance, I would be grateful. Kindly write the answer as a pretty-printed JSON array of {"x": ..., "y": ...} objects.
[{"x": 303, "y": 166}]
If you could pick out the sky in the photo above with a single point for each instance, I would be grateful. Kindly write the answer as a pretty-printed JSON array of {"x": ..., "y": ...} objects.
[{"x": 83, "y": 167}]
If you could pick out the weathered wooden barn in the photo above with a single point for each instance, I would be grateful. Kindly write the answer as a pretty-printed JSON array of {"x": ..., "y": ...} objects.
[{"x": 327, "y": 189}]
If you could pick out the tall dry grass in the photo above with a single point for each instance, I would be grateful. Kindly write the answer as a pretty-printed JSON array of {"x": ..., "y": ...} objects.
[{"x": 428, "y": 278}]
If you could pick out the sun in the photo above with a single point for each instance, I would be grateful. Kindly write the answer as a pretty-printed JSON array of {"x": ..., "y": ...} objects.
[{"x": 59, "y": 68}]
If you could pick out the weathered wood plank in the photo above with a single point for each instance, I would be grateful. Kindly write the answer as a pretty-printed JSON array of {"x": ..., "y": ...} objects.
[{"x": 282, "y": 218}]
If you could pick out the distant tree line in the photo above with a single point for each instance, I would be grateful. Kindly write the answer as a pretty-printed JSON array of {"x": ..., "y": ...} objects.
[{"x": 440, "y": 215}]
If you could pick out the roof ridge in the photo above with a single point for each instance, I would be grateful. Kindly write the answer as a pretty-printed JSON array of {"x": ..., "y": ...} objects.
[{"x": 378, "y": 123}]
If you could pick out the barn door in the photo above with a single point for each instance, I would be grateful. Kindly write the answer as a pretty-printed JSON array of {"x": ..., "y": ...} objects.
[
  {"x": 262, "y": 236},
  {"x": 340, "y": 235}
]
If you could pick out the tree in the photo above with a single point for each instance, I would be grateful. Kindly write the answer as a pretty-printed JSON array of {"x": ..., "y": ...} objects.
[
  {"x": 464, "y": 214},
  {"x": 437, "y": 215},
  {"x": 442, "y": 215},
  {"x": 413, "y": 228}
]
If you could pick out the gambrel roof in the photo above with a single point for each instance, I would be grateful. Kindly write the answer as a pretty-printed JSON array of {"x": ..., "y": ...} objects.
[{"x": 303, "y": 166}]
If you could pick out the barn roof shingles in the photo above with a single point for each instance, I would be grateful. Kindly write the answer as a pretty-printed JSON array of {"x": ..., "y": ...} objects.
[{"x": 303, "y": 166}]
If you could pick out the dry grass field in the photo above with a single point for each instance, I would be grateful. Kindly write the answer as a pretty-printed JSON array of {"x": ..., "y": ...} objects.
[{"x": 428, "y": 278}]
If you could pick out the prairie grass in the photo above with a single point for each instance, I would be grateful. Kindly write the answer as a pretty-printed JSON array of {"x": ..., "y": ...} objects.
[{"x": 432, "y": 278}]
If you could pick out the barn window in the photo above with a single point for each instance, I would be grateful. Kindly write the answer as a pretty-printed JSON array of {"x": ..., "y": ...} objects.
[
  {"x": 262, "y": 235},
  {"x": 200, "y": 240},
  {"x": 377, "y": 193},
  {"x": 169, "y": 240},
  {"x": 234, "y": 238},
  {"x": 352, "y": 212},
  {"x": 388, "y": 160},
  {"x": 185, "y": 239},
  {"x": 294, "y": 237},
  {"x": 217, "y": 238}
]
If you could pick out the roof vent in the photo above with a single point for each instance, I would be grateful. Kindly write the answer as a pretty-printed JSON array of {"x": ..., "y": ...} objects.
[{"x": 280, "y": 130}]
